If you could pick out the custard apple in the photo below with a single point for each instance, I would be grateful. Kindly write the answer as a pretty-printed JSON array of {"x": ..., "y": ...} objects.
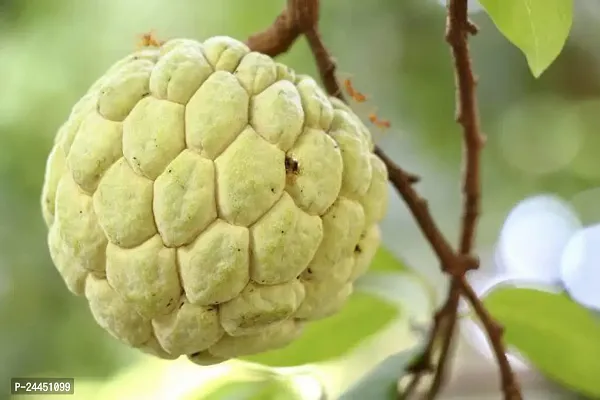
[{"x": 208, "y": 201}]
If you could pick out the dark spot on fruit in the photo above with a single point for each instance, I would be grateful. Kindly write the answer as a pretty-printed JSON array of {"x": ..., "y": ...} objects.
[
  {"x": 291, "y": 165},
  {"x": 309, "y": 271},
  {"x": 196, "y": 354},
  {"x": 272, "y": 190},
  {"x": 357, "y": 249}
]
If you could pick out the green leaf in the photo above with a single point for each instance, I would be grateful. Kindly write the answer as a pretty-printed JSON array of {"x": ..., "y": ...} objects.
[
  {"x": 232, "y": 391},
  {"x": 538, "y": 27},
  {"x": 384, "y": 260},
  {"x": 411, "y": 293},
  {"x": 558, "y": 336},
  {"x": 363, "y": 315},
  {"x": 381, "y": 383},
  {"x": 267, "y": 389}
]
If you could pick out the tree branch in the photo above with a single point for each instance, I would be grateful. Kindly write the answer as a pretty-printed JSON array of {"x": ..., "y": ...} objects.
[
  {"x": 301, "y": 17},
  {"x": 277, "y": 38},
  {"x": 457, "y": 31}
]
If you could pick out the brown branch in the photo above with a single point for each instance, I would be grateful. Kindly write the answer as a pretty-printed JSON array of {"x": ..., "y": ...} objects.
[
  {"x": 458, "y": 29},
  {"x": 277, "y": 38},
  {"x": 420, "y": 210},
  {"x": 446, "y": 332},
  {"x": 325, "y": 63},
  {"x": 301, "y": 17},
  {"x": 467, "y": 115},
  {"x": 494, "y": 331}
]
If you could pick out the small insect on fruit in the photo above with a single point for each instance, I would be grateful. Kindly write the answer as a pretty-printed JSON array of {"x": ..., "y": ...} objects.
[
  {"x": 148, "y": 39},
  {"x": 352, "y": 92}
]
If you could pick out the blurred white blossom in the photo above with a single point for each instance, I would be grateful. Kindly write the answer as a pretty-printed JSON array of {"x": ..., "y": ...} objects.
[
  {"x": 533, "y": 238},
  {"x": 580, "y": 267},
  {"x": 541, "y": 245}
]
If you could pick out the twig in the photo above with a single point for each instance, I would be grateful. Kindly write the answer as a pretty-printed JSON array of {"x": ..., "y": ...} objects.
[
  {"x": 446, "y": 331},
  {"x": 457, "y": 32},
  {"x": 301, "y": 17},
  {"x": 277, "y": 38},
  {"x": 325, "y": 63},
  {"x": 458, "y": 28},
  {"x": 401, "y": 179}
]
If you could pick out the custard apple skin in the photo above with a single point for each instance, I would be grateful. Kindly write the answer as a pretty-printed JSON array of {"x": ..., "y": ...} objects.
[{"x": 209, "y": 202}]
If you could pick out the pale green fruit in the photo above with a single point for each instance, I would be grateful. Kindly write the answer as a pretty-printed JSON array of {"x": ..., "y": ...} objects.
[{"x": 209, "y": 202}]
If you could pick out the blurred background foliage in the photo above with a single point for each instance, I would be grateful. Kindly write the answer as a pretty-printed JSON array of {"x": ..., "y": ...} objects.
[{"x": 543, "y": 135}]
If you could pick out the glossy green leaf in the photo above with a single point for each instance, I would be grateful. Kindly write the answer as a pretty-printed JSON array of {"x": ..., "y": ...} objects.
[
  {"x": 381, "y": 383},
  {"x": 384, "y": 260},
  {"x": 558, "y": 336},
  {"x": 363, "y": 315},
  {"x": 538, "y": 27}
]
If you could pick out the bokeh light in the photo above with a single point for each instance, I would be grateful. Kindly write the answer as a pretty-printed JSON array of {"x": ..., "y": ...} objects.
[
  {"x": 580, "y": 267},
  {"x": 542, "y": 245},
  {"x": 532, "y": 135},
  {"x": 533, "y": 238}
]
